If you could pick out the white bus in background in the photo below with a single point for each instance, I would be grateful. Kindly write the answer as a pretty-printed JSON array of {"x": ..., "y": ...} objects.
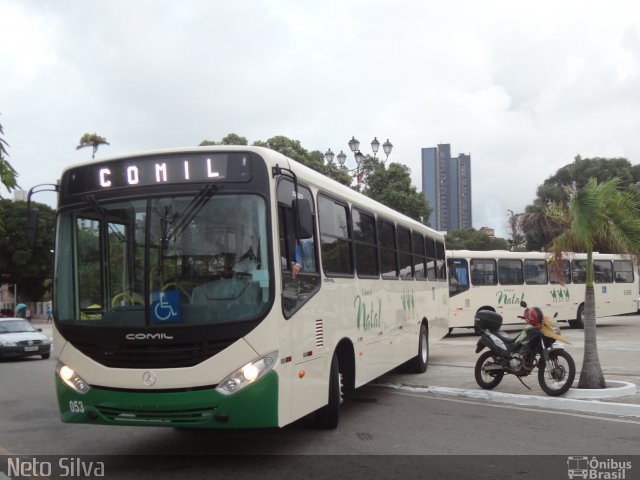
[
  {"x": 232, "y": 287},
  {"x": 499, "y": 280}
]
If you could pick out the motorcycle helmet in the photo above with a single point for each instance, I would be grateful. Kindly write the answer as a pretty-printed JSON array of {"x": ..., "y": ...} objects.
[{"x": 534, "y": 317}]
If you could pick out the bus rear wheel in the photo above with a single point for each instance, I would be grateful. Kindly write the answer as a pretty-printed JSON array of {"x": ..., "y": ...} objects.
[
  {"x": 420, "y": 362},
  {"x": 578, "y": 322},
  {"x": 327, "y": 417}
]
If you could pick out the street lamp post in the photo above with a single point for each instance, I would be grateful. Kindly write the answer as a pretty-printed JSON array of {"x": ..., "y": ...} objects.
[
  {"x": 354, "y": 146},
  {"x": 329, "y": 156}
]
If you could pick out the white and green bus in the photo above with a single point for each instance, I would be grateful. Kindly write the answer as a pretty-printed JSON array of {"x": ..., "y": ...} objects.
[
  {"x": 231, "y": 287},
  {"x": 499, "y": 280}
]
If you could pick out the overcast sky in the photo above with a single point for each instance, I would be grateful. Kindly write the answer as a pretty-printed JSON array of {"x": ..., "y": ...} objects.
[{"x": 521, "y": 86}]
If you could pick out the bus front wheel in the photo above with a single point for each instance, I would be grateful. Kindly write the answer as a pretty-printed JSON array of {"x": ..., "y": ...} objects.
[{"x": 327, "y": 416}]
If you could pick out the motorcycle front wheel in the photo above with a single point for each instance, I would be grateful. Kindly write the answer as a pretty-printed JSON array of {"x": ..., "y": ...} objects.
[
  {"x": 488, "y": 379},
  {"x": 556, "y": 376}
]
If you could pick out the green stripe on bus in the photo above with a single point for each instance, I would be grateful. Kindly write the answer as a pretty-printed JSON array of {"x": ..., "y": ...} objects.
[{"x": 254, "y": 406}]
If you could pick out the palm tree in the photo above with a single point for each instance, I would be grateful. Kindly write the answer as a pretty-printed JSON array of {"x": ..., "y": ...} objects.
[
  {"x": 600, "y": 215},
  {"x": 92, "y": 140}
]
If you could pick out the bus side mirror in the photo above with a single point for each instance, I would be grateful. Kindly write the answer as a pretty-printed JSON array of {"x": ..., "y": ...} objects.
[
  {"x": 304, "y": 218},
  {"x": 32, "y": 227}
]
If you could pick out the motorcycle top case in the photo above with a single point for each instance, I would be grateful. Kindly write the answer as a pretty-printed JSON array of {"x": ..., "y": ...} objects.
[{"x": 488, "y": 320}]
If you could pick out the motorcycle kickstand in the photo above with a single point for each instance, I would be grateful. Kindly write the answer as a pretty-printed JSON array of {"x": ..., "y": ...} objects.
[{"x": 523, "y": 382}]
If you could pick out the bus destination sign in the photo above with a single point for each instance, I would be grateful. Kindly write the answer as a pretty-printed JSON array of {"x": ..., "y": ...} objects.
[{"x": 166, "y": 169}]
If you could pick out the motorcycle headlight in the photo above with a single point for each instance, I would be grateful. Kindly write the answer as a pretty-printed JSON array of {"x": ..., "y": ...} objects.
[
  {"x": 247, "y": 374},
  {"x": 72, "y": 379}
]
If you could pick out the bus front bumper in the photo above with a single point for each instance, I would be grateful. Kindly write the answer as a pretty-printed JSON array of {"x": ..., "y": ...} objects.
[{"x": 254, "y": 406}]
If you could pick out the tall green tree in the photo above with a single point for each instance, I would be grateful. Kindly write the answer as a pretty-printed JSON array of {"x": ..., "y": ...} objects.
[
  {"x": 391, "y": 186},
  {"x": 233, "y": 139},
  {"x": 472, "y": 239},
  {"x": 29, "y": 268},
  {"x": 8, "y": 175},
  {"x": 286, "y": 146},
  {"x": 598, "y": 214},
  {"x": 92, "y": 140},
  {"x": 576, "y": 175},
  {"x": 230, "y": 139}
]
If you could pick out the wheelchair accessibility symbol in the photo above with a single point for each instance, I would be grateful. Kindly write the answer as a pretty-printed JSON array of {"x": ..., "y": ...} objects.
[{"x": 166, "y": 307}]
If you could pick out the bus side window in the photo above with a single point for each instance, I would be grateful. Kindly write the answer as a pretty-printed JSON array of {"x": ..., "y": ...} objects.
[
  {"x": 579, "y": 271},
  {"x": 510, "y": 272},
  {"x": 419, "y": 260},
  {"x": 623, "y": 271},
  {"x": 431, "y": 258},
  {"x": 483, "y": 272},
  {"x": 335, "y": 237},
  {"x": 388, "y": 253},
  {"x": 565, "y": 270},
  {"x": 602, "y": 271},
  {"x": 441, "y": 262},
  {"x": 404, "y": 253},
  {"x": 535, "y": 272},
  {"x": 365, "y": 244}
]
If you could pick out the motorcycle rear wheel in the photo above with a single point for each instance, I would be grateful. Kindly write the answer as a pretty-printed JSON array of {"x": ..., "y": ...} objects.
[
  {"x": 557, "y": 375},
  {"x": 487, "y": 379}
]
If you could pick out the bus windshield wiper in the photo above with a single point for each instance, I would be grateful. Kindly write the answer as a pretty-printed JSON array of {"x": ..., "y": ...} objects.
[{"x": 199, "y": 201}]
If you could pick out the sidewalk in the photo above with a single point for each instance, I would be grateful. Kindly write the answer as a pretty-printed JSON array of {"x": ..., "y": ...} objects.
[{"x": 452, "y": 362}]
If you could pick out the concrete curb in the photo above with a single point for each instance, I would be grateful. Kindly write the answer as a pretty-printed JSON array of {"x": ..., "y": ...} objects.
[
  {"x": 558, "y": 403},
  {"x": 614, "y": 389}
]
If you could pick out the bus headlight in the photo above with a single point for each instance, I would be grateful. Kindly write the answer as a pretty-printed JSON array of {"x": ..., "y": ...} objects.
[
  {"x": 247, "y": 374},
  {"x": 72, "y": 379}
]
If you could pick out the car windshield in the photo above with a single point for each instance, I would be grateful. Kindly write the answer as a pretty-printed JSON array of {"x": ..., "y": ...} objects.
[
  {"x": 182, "y": 260},
  {"x": 16, "y": 326}
]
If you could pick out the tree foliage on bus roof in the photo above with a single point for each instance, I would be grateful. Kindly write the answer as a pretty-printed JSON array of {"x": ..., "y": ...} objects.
[{"x": 389, "y": 184}]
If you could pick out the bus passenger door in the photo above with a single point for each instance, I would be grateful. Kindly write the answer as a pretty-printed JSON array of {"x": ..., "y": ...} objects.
[{"x": 303, "y": 342}]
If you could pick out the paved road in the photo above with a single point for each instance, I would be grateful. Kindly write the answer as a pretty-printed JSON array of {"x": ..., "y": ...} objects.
[{"x": 376, "y": 421}]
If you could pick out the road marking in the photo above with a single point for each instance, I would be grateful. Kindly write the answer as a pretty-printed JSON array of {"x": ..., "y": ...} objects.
[{"x": 514, "y": 407}]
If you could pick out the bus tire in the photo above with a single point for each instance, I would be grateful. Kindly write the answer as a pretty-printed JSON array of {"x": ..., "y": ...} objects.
[
  {"x": 578, "y": 322},
  {"x": 420, "y": 362},
  {"x": 327, "y": 417}
]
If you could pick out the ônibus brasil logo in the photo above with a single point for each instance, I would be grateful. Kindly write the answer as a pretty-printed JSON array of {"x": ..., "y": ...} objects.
[{"x": 594, "y": 468}]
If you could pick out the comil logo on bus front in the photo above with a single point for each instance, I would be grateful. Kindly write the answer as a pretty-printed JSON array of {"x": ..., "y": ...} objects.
[
  {"x": 148, "y": 336},
  {"x": 593, "y": 468}
]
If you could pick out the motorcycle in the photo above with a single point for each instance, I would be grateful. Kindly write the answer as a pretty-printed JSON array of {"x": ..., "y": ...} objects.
[{"x": 520, "y": 355}]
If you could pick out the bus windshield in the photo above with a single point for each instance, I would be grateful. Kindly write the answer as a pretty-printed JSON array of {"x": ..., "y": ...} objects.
[{"x": 189, "y": 259}]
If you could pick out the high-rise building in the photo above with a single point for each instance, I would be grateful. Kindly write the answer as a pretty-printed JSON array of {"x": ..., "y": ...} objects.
[{"x": 446, "y": 185}]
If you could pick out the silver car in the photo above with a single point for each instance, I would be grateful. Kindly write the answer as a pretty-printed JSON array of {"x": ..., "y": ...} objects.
[{"x": 18, "y": 338}]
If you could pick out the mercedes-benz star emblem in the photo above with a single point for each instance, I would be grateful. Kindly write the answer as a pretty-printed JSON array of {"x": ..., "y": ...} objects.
[{"x": 149, "y": 378}]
